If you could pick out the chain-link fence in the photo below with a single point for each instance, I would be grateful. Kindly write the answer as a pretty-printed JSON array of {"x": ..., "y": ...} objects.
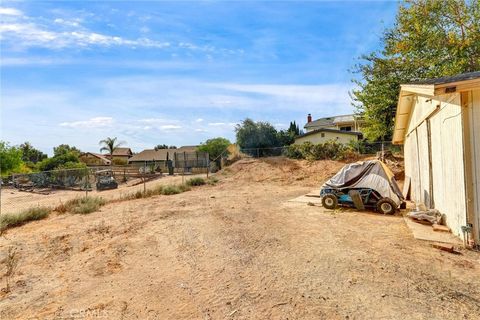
[
  {"x": 49, "y": 188},
  {"x": 362, "y": 148},
  {"x": 71, "y": 179},
  {"x": 191, "y": 162}
]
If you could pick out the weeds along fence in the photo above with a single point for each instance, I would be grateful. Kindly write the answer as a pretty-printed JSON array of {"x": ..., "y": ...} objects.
[
  {"x": 71, "y": 179},
  {"x": 363, "y": 148},
  {"x": 264, "y": 152},
  {"x": 32, "y": 185}
]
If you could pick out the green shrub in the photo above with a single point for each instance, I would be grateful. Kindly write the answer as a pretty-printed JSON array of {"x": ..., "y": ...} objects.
[
  {"x": 171, "y": 189},
  {"x": 293, "y": 151},
  {"x": 184, "y": 187},
  {"x": 138, "y": 194},
  {"x": 212, "y": 180},
  {"x": 61, "y": 208},
  {"x": 329, "y": 150},
  {"x": 84, "y": 205},
  {"x": 198, "y": 181},
  {"x": 11, "y": 220}
]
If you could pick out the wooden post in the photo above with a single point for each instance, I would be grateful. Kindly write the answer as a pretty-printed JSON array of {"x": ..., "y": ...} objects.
[
  {"x": 87, "y": 180},
  {"x": 208, "y": 164}
]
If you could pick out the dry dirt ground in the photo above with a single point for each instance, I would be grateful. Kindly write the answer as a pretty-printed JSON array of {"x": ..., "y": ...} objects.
[{"x": 236, "y": 250}]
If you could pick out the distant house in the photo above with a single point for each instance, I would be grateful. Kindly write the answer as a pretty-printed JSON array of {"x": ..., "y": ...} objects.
[
  {"x": 158, "y": 157},
  {"x": 343, "y": 129},
  {"x": 94, "y": 159},
  {"x": 438, "y": 122},
  {"x": 122, "y": 154},
  {"x": 324, "y": 135},
  {"x": 348, "y": 123}
]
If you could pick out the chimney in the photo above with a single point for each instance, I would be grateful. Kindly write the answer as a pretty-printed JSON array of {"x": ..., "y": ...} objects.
[{"x": 309, "y": 118}]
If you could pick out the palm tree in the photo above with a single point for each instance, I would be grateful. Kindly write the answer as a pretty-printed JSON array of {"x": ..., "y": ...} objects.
[{"x": 109, "y": 145}]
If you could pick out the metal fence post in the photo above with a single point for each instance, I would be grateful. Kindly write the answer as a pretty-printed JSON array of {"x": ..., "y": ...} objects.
[
  {"x": 87, "y": 181},
  {"x": 144, "y": 173},
  {"x": 208, "y": 164}
]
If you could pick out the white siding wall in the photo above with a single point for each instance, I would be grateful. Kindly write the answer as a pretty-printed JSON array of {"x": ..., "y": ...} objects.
[
  {"x": 336, "y": 136},
  {"x": 424, "y": 164},
  {"x": 448, "y": 180},
  {"x": 448, "y": 163},
  {"x": 474, "y": 116},
  {"x": 412, "y": 166}
]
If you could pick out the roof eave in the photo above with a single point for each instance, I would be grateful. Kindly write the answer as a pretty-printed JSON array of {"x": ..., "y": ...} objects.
[
  {"x": 423, "y": 89},
  {"x": 405, "y": 100},
  {"x": 402, "y": 116},
  {"x": 458, "y": 86}
]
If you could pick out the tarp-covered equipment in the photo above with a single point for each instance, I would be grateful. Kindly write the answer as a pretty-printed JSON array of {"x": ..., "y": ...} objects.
[{"x": 372, "y": 180}]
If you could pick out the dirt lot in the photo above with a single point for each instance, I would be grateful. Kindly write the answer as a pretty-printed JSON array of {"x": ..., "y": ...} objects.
[{"x": 236, "y": 250}]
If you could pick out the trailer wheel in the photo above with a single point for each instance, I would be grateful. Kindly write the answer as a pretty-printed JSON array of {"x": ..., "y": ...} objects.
[
  {"x": 386, "y": 206},
  {"x": 330, "y": 201}
]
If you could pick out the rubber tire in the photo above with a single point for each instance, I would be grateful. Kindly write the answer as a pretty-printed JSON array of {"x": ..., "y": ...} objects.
[
  {"x": 383, "y": 201},
  {"x": 333, "y": 204}
]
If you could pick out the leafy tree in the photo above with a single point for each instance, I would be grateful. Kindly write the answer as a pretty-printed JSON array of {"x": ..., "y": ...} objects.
[
  {"x": 285, "y": 137},
  {"x": 110, "y": 144},
  {"x": 429, "y": 39},
  {"x": 30, "y": 154},
  {"x": 164, "y": 146},
  {"x": 64, "y": 149},
  {"x": 215, "y": 147},
  {"x": 251, "y": 134},
  {"x": 161, "y": 146},
  {"x": 71, "y": 165},
  {"x": 10, "y": 158},
  {"x": 64, "y": 160}
]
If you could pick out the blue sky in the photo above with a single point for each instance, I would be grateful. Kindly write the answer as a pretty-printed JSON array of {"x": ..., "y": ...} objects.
[{"x": 177, "y": 73}]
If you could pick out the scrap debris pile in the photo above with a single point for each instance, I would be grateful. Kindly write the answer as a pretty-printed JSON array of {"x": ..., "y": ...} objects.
[{"x": 431, "y": 217}]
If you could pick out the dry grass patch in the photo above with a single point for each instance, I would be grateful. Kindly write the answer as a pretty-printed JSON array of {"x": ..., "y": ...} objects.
[
  {"x": 159, "y": 190},
  {"x": 174, "y": 189},
  {"x": 11, "y": 220},
  {"x": 84, "y": 205},
  {"x": 198, "y": 181},
  {"x": 11, "y": 263},
  {"x": 212, "y": 180}
]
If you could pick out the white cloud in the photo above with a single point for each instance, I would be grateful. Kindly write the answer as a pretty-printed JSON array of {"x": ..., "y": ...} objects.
[
  {"x": 168, "y": 127},
  {"x": 97, "y": 122},
  {"x": 155, "y": 120},
  {"x": 19, "y": 31},
  {"x": 30, "y": 34},
  {"x": 222, "y": 124},
  {"x": 321, "y": 93},
  {"x": 16, "y": 61},
  {"x": 10, "y": 12},
  {"x": 161, "y": 124},
  {"x": 199, "y": 120},
  {"x": 71, "y": 23}
]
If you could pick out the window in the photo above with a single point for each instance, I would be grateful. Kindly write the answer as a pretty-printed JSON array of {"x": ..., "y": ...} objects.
[{"x": 349, "y": 128}]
